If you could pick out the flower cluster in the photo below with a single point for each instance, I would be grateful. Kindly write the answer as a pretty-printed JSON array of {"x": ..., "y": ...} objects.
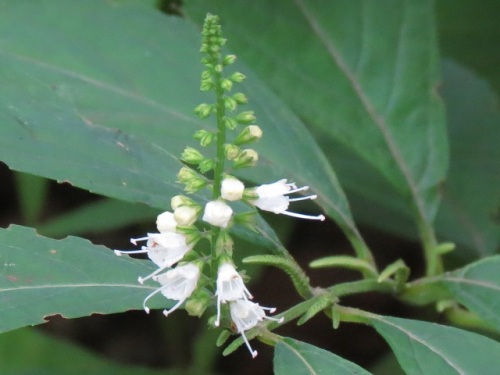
[{"x": 185, "y": 268}]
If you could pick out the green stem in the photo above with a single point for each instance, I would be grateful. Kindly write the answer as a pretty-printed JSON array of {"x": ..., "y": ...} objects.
[
  {"x": 362, "y": 286},
  {"x": 434, "y": 265},
  {"x": 361, "y": 248}
]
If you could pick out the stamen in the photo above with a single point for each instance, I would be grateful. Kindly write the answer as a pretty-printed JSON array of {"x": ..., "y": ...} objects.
[
  {"x": 311, "y": 197},
  {"x": 301, "y": 216},
  {"x": 167, "y": 312},
  {"x": 149, "y": 296},
  {"x": 252, "y": 352},
  {"x": 296, "y": 189},
  {"x": 134, "y": 240},
  {"x": 142, "y": 279}
]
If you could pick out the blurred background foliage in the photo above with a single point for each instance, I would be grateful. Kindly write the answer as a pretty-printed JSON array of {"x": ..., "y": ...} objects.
[{"x": 469, "y": 35}]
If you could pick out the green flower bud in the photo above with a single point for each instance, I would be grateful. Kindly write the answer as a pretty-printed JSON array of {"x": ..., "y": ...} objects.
[
  {"x": 237, "y": 77},
  {"x": 240, "y": 98},
  {"x": 224, "y": 244},
  {"x": 192, "y": 156},
  {"x": 206, "y": 165},
  {"x": 181, "y": 200},
  {"x": 229, "y": 122},
  {"x": 245, "y": 118},
  {"x": 231, "y": 151},
  {"x": 191, "y": 179},
  {"x": 198, "y": 303},
  {"x": 206, "y": 85},
  {"x": 246, "y": 158},
  {"x": 229, "y": 59},
  {"x": 204, "y": 136},
  {"x": 247, "y": 219},
  {"x": 230, "y": 103},
  {"x": 250, "y": 134},
  {"x": 203, "y": 110},
  {"x": 226, "y": 84}
]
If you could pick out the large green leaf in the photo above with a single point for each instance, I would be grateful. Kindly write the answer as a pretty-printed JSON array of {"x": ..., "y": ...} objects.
[
  {"x": 136, "y": 70},
  {"x": 364, "y": 72},
  {"x": 40, "y": 277},
  {"x": 471, "y": 197},
  {"x": 426, "y": 348},
  {"x": 45, "y": 358},
  {"x": 477, "y": 287},
  {"x": 292, "y": 357}
]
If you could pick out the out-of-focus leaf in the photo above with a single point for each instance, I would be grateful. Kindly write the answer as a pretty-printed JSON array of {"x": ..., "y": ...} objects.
[
  {"x": 470, "y": 212},
  {"x": 364, "y": 72},
  {"x": 136, "y": 70},
  {"x": 40, "y": 277},
  {"x": 32, "y": 193},
  {"x": 424, "y": 348},
  {"x": 292, "y": 357},
  {"x": 45, "y": 357},
  {"x": 97, "y": 217},
  {"x": 477, "y": 286}
]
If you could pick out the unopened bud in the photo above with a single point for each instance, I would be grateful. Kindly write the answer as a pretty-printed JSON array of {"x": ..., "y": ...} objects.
[
  {"x": 246, "y": 117},
  {"x": 203, "y": 110},
  {"x": 206, "y": 165},
  {"x": 231, "y": 151},
  {"x": 192, "y": 156},
  {"x": 250, "y": 134},
  {"x": 226, "y": 84},
  {"x": 198, "y": 303},
  {"x": 229, "y": 122},
  {"x": 185, "y": 215},
  {"x": 229, "y": 59},
  {"x": 237, "y": 77},
  {"x": 232, "y": 189},
  {"x": 240, "y": 98},
  {"x": 230, "y": 103},
  {"x": 247, "y": 158},
  {"x": 205, "y": 137}
]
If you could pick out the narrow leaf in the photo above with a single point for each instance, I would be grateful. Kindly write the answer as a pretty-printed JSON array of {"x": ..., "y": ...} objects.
[
  {"x": 426, "y": 348},
  {"x": 40, "y": 277},
  {"x": 292, "y": 357}
]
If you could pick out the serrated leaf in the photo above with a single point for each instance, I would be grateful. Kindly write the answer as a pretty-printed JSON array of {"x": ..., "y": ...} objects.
[
  {"x": 477, "y": 286},
  {"x": 424, "y": 348},
  {"x": 40, "y": 277},
  {"x": 293, "y": 357},
  {"x": 363, "y": 72},
  {"x": 134, "y": 69}
]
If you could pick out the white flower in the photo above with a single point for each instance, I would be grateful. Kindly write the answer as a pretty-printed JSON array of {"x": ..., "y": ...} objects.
[
  {"x": 217, "y": 213},
  {"x": 164, "y": 249},
  {"x": 273, "y": 197},
  {"x": 176, "y": 284},
  {"x": 230, "y": 287},
  {"x": 185, "y": 215},
  {"x": 165, "y": 222},
  {"x": 232, "y": 189},
  {"x": 245, "y": 315}
]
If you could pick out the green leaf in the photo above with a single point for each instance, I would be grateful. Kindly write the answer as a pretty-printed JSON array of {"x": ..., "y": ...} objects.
[
  {"x": 471, "y": 197},
  {"x": 427, "y": 348},
  {"x": 292, "y": 357},
  {"x": 40, "y": 277},
  {"x": 477, "y": 287},
  {"x": 97, "y": 217},
  {"x": 363, "y": 72},
  {"x": 136, "y": 72},
  {"x": 45, "y": 358}
]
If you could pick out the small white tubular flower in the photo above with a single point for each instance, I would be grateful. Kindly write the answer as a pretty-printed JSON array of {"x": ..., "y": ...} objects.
[
  {"x": 274, "y": 198},
  {"x": 217, "y": 213},
  {"x": 176, "y": 284},
  {"x": 165, "y": 222},
  {"x": 185, "y": 215},
  {"x": 230, "y": 287},
  {"x": 245, "y": 315},
  {"x": 164, "y": 249},
  {"x": 232, "y": 189}
]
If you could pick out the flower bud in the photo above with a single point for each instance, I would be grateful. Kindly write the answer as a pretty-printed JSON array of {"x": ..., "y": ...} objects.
[
  {"x": 192, "y": 156},
  {"x": 230, "y": 103},
  {"x": 237, "y": 77},
  {"x": 203, "y": 110},
  {"x": 240, "y": 98},
  {"x": 165, "y": 222},
  {"x": 205, "y": 137},
  {"x": 231, "y": 151},
  {"x": 232, "y": 189},
  {"x": 247, "y": 158},
  {"x": 191, "y": 179},
  {"x": 229, "y": 122},
  {"x": 250, "y": 134},
  {"x": 206, "y": 165},
  {"x": 229, "y": 59},
  {"x": 206, "y": 85},
  {"x": 217, "y": 213},
  {"x": 226, "y": 84},
  {"x": 224, "y": 244},
  {"x": 246, "y": 117},
  {"x": 181, "y": 200},
  {"x": 198, "y": 303},
  {"x": 185, "y": 215}
]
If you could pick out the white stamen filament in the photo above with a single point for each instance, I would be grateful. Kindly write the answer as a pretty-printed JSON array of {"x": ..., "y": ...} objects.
[
  {"x": 252, "y": 352},
  {"x": 151, "y": 295},
  {"x": 142, "y": 279},
  {"x": 135, "y": 240},
  {"x": 311, "y": 197},
  {"x": 121, "y": 252},
  {"x": 301, "y": 216},
  {"x": 167, "y": 312}
]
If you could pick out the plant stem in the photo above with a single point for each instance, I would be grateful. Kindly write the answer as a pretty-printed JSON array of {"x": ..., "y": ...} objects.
[
  {"x": 433, "y": 262},
  {"x": 361, "y": 248}
]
